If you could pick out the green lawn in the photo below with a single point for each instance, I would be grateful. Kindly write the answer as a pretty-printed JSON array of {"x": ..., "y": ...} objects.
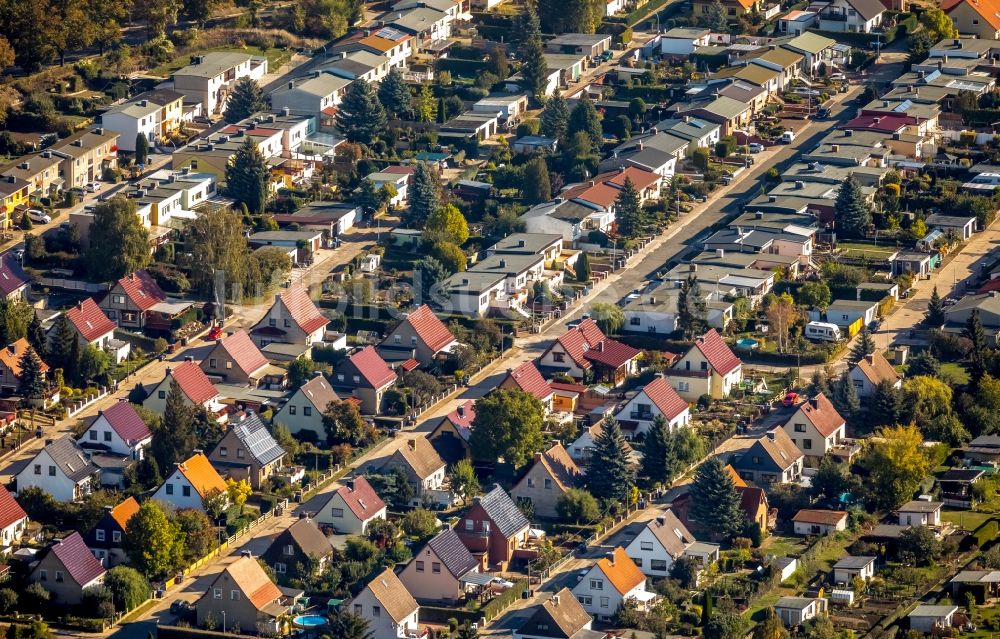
[
  {"x": 857, "y": 249},
  {"x": 275, "y": 58},
  {"x": 954, "y": 374},
  {"x": 968, "y": 519},
  {"x": 781, "y": 546}
]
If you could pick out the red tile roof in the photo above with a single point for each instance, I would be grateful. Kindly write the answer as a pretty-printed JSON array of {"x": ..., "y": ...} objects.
[
  {"x": 302, "y": 310},
  {"x": 882, "y": 122},
  {"x": 361, "y": 498},
  {"x": 990, "y": 285},
  {"x": 822, "y": 415},
  {"x": 429, "y": 328},
  {"x": 640, "y": 178},
  {"x": 988, "y": 10},
  {"x": 81, "y": 565},
  {"x": 142, "y": 290},
  {"x": 463, "y": 416},
  {"x": 372, "y": 367},
  {"x": 409, "y": 365},
  {"x": 720, "y": 357},
  {"x": 124, "y": 420},
  {"x": 243, "y": 351},
  {"x": 815, "y": 516},
  {"x": 665, "y": 398},
  {"x": 611, "y": 353},
  {"x": 194, "y": 383},
  {"x": 10, "y": 511},
  {"x": 527, "y": 378},
  {"x": 12, "y": 276},
  {"x": 90, "y": 320},
  {"x": 579, "y": 339}
]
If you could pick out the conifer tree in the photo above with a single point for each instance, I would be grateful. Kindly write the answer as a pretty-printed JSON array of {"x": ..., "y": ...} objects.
[
  {"x": 141, "y": 148},
  {"x": 584, "y": 119},
  {"x": 425, "y": 198},
  {"x": 361, "y": 117},
  {"x": 176, "y": 438},
  {"x": 610, "y": 475},
  {"x": 845, "y": 396},
  {"x": 36, "y": 336},
  {"x": 863, "y": 347},
  {"x": 247, "y": 176},
  {"x": 534, "y": 70},
  {"x": 395, "y": 95},
  {"x": 886, "y": 404},
  {"x": 935, "y": 310},
  {"x": 555, "y": 117},
  {"x": 692, "y": 309},
  {"x": 658, "y": 453},
  {"x": 442, "y": 112},
  {"x": 536, "y": 185},
  {"x": 715, "y": 502},
  {"x": 854, "y": 215},
  {"x": 583, "y": 268},
  {"x": 31, "y": 381},
  {"x": 628, "y": 210},
  {"x": 61, "y": 344},
  {"x": 247, "y": 98},
  {"x": 978, "y": 353}
]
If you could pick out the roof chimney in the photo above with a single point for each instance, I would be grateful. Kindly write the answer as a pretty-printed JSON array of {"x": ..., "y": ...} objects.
[
  {"x": 814, "y": 403},
  {"x": 350, "y": 485},
  {"x": 411, "y": 444},
  {"x": 770, "y": 435}
]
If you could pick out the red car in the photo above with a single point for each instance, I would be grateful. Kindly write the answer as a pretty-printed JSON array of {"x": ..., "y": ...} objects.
[{"x": 790, "y": 399}]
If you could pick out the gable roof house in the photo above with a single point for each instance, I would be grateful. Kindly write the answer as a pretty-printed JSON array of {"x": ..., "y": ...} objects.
[
  {"x": 62, "y": 469},
  {"x": 816, "y": 426},
  {"x": 980, "y": 18},
  {"x": 67, "y": 569},
  {"x": 708, "y": 368},
  {"x": 870, "y": 371},
  {"x": 292, "y": 319},
  {"x": 351, "y": 507},
  {"x": 106, "y": 539},
  {"x": 197, "y": 389},
  {"x": 584, "y": 351},
  {"x": 91, "y": 325},
  {"x": 851, "y": 16},
  {"x": 118, "y": 429},
  {"x": 191, "y": 482},
  {"x": 424, "y": 469},
  {"x": 422, "y": 335},
  {"x": 13, "y": 521},
  {"x": 662, "y": 541},
  {"x": 528, "y": 379},
  {"x": 450, "y": 437},
  {"x": 559, "y": 617},
  {"x": 131, "y": 300},
  {"x": 795, "y": 611},
  {"x": 611, "y": 581},
  {"x": 772, "y": 459},
  {"x": 365, "y": 375},
  {"x": 390, "y": 609},
  {"x": 298, "y": 551},
  {"x": 920, "y": 513},
  {"x": 246, "y": 598},
  {"x": 13, "y": 280},
  {"x": 734, "y": 8},
  {"x": 437, "y": 573},
  {"x": 548, "y": 477},
  {"x": 236, "y": 360},
  {"x": 810, "y": 521},
  {"x": 656, "y": 399},
  {"x": 10, "y": 365},
  {"x": 248, "y": 451},
  {"x": 303, "y": 412},
  {"x": 494, "y": 528}
]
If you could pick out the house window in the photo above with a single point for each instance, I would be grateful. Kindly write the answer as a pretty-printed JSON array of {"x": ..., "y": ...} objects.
[
  {"x": 807, "y": 444},
  {"x": 99, "y": 534},
  {"x": 38, "y": 469},
  {"x": 279, "y": 568},
  {"x": 170, "y": 489},
  {"x": 635, "y": 320},
  {"x": 217, "y": 593},
  {"x": 604, "y": 602},
  {"x": 548, "y": 484},
  {"x": 52, "y": 471},
  {"x": 704, "y": 366},
  {"x": 234, "y": 595},
  {"x": 116, "y": 536},
  {"x": 340, "y": 377},
  {"x": 161, "y": 394},
  {"x": 240, "y": 453},
  {"x": 307, "y": 411},
  {"x": 43, "y": 575},
  {"x": 337, "y": 512},
  {"x": 658, "y": 564},
  {"x": 800, "y": 428},
  {"x": 107, "y": 435},
  {"x": 186, "y": 491},
  {"x": 289, "y": 549},
  {"x": 531, "y": 482},
  {"x": 223, "y": 451},
  {"x": 288, "y": 323},
  {"x": 645, "y": 545},
  {"x": 396, "y": 339},
  {"x": 756, "y": 461},
  {"x": 469, "y": 524},
  {"x": 436, "y": 567},
  {"x": 60, "y": 576},
  {"x": 559, "y": 357},
  {"x": 357, "y": 609},
  {"x": 597, "y": 584},
  {"x": 291, "y": 410},
  {"x": 357, "y": 379},
  {"x": 272, "y": 323},
  {"x": 638, "y": 561},
  {"x": 376, "y": 612},
  {"x": 93, "y": 435},
  {"x": 212, "y": 363},
  {"x": 420, "y": 566},
  {"x": 585, "y": 600},
  {"x": 486, "y": 527}
]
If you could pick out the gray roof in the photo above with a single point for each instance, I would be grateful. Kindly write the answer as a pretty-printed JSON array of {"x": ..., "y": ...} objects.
[
  {"x": 215, "y": 63},
  {"x": 504, "y": 513},
  {"x": 322, "y": 85},
  {"x": 948, "y": 220},
  {"x": 309, "y": 538},
  {"x": 418, "y": 19},
  {"x": 567, "y": 210},
  {"x": 73, "y": 460},
  {"x": 797, "y": 603},
  {"x": 525, "y": 243},
  {"x": 509, "y": 264},
  {"x": 924, "y": 610},
  {"x": 579, "y": 39},
  {"x": 284, "y": 236},
  {"x": 853, "y": 562},
  {"x": 920, "y": 506},
  {"x": 867, "y": 8},
  {"x": 686, "y": 33},
  {"x": 471, "y": 282},
  {"x": 452, "y": 553},
  {"x": 258, "y": 441}
]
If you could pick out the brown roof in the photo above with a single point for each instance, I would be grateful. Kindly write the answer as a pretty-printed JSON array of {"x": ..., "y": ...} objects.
[
  {"x": 419, "y": 455},
  {"x": 821, "y": 414},
  {"x": 560, "y": 466},
  {"x": 251, "y": 579},
  {"x": 735, "y": 476},
  {"x": 621, "y": 571},
  {"x": 12, "y": 354},
  {"x": 361, "y": 498},
  {"x": 393, "y": 595},
  {"x": 815, "y": 516},
  {"x": 751, "y": 498},
  {"x": 310, "y": 538},
  {"x": 317, "y": 390},
  {"x": 876, "y": 368},
  {"x": 671, "y": 533},
  {"x": 782, "y": 450},
  {"x": 561, "y": 609}
]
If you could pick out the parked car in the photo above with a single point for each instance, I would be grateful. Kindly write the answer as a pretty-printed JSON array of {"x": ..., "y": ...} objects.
[
  {"x": 93, "y": 187},
  {"x": 41, "y": 217},
  {"x": 755, "y": 147},
  {"x": 788, "y": 137}
]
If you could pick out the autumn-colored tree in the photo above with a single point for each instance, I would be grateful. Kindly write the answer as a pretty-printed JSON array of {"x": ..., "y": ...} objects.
[
  {"x": 781, "y": 313},
  {"x": 897, "y": 463}
]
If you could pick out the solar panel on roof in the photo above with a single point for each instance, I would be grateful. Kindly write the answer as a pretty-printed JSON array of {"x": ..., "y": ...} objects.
[
  {"x": 389, "y": 33},
  {"x": 903, "y": 106}
]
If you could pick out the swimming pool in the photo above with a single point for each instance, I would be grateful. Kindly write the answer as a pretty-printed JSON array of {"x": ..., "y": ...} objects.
[{"x": 309, "y": 621}]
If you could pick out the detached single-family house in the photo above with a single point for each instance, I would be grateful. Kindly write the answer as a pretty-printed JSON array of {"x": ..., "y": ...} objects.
[
  {"x": 131, "y": 300},
  {"x": 816, "y": 426},
  {"x": 292, "y": 319},
  {"x": 810, "y": 521},
  {"x": 10, "y": 365},
  {"x": 450, "y": 437},
  {"x": 119, "y": 430},
  {"x": 920, "y": 513},
  {"x": 974, "y": 18},
  {"x": 424, "y": 469},
  {"x": 584, "y": 351},
  {"x": 422, "y": 333},
  {"x": 67, "y": 569},
  {"x": 390, "y": 609},
  {"x": 611, "y": 581},
  {"x": 191, "y": 483},
  {"x": 350, "y": 508},
  {"x": 299, "y": 551},
  {"x": 661, "y": 542},
  {"x": 365, "y": 375},
  {"x": 62, "y": 469},
  {"x": 245, "y": 599},
  {"x": 528, "y": 378},
  {"x": 656, "y": 399},
  {"x": 772, "y": 459},
  {"x": 559, "y": 617},
  {"x": 437, "y": 572},
  {"x": 844, "y": 313},
  {"x": 548, "y": 477},
  {"x": 91, "y": 325},
  {"x": 848, "y": 568},
  {"x": 931, "y": 619},
  {"x": 303, "y": 412},
  {"x": 795, "y": 611},
  {"x": 197, "y": 390},
  {"x": 494, "y": 528},
  {"x": 106, "y": 539},
  {"x": 708, "y": 368},
  {"x": 13, "y": 521},
  {"x": 851, "y": 16},
  {"x": 13, "y": 280},
  {"x": 236, "y": 359},
  {"x": 248, "y": 451},
  {"x": 870, "y": 371}
]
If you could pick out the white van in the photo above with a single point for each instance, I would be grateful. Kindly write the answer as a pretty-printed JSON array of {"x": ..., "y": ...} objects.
[
  {"x": 788, "y": 137},
  {"x": 823, "y": 332}
]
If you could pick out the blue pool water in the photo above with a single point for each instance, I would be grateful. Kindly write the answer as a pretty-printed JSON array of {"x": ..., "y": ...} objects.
[{"x": 309, "y": 621}]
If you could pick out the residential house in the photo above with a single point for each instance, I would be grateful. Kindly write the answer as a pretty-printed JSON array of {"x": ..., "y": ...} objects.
[
  {"x": 236, "y": 360},
  {"x": 986, "y": 304},
  {"x": 754, "y": 504},
  {"x": 815, "y": 48},
  {"x": 365, "y": 375},
  {"x": 292, "y": 319},
  {"x": 590, "y": 45},
  {"x": 85, "y": 156},
  {"x": 244, "y": 600},
  {"x": 931, "y": 620},
  {"x": 708, "y": 368},
  {"x": 118, "y": 429},
  {"x": 734, "y": 8},
  {"x": 437, "y": 573},
  {"x": 810, "y": 521},
  {"x": 655, "y": 399},
  {"x": 62, "y": 469},
  {"x": 351, "y": 507},
  {"x": 661, "y": 542},
  {"x": 303, "y": 412},
  {"x": 393, "y": 44},
  {"x": 730, "y": 114},
  {"x": 474, "y": 293},
  {"x": 786, "y": 62},
  {"x": 584, "y": 351},
  {"x": 796, "y": 22},
  {"x": 572, "y": 219},
  {"x": 920, "y": 513},
  {"x": 682, "y": 41},
  {"x": 191, "y": 483},
  {"x": 422, "y": 334},
  {"x": 772, "y": 459},
  {"x": 816, "y": 427},
  {"x": 131, "y": 301},
  {"x": 559, "y": 617},
  {"x": 155, "y": 115},
  {"x": 582, "y": 448},
  {"x": 979, "y": 18},
  {"x": 13, "y": 521},
  {"x": 548, "y": 477},
  {"x": 66, "y": 569},
  {"x": 494, "y": 528},
  {"x": 91, "y": 326},
  {"x": 653, "y": 151},
  {"x": 311, "y": 95},
  {"x": 299, "y": 551},
  {"x": 847, "y": 569},
  {"x": 851, "y": 16},
  {"x": 40, "y": 169},
  {"x": 424, "y": 470},
  {"x": 106, "y": 539},
  {"x": 14, "y": 195},
  {"x": 197, "y": 390},
  {"x": 388, "y": 606},
  {"x": 872, "y": 370},
  {"x": 399, "y": 183},
  {"x": 300, "y": 245},
  {"x": 610, "y": 582},
  {"x": 844, "y": 313},
  {"x": 210, "y": 79},
  {"x": 14, "y": 281},
  {"x": 528, "y": 379},
  {"x": 450, "y": 437},
  {"x": 248, "y": 451},
  {"x": 796, "y": 611},
  {"x": 10, "y": 365}
]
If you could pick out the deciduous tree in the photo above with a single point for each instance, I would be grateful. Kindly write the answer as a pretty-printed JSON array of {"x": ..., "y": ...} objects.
[
  {"x": 896, "y": 463},
  {"x": 609, "y": 317},
  {"x": 154, "y": 543},
  {"x": 577, "y": 505},
  {"x": 782, "y": 314},
  {"x": 119, "y": 244},
  {"x": 463, "y": 478},
  {"x": 447, "y": 223},
  {"x": 128, "y": 587},
  {"x": 508, "y": 425}
]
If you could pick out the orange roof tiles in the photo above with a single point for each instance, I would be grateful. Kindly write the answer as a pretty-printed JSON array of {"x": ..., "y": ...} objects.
[
  {"x": 717, "y": 352},
  {"x": 124, "y": 511},
  {"x": 621, "y": 571},
  {"x": 10, "y": 510},
  {"x": 989, "y": 10},
  {"x": 527, "y": 378},
  {"x": 12, "y": 354},
  {"x": 251, "y": 579},
  {"x": 201, "y": 474},
  {"x": 142, "y": 290}
]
